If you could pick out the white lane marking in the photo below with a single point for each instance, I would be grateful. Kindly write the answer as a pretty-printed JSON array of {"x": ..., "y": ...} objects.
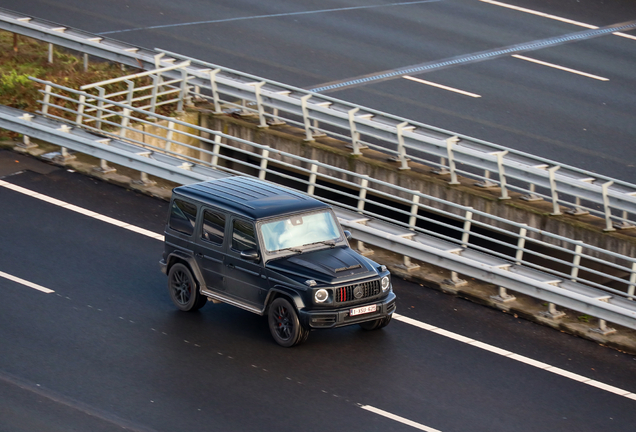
[
  {"x": 26, "y": 283},
  {"x": 553, "y": 17},
  {"x": 552, "y": 65},
  {"x": 82, "y": 211},
  {"x": 270, "y": 16},
  {"x": 517, "y": 357},
  {"x": 441, "y": 86},
  {"x": 398, "y": 418}
]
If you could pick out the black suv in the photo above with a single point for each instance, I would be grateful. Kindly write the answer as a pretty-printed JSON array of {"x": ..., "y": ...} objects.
[{"x": 271, "y": 251}]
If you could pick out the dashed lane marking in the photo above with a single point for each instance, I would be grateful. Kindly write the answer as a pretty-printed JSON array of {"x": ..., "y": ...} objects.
[
  {"x": 432, "y": 84},
  {"x": 552, "y": 65},
  {"x": 523, "y": 359},
  {"x": 26, "y": 283},
  {"x": 399, "y": 419},
  {"x": 82, "y": 211}
]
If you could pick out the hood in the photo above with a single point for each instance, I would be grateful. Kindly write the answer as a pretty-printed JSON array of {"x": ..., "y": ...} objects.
[{"x": 325, "y": 265}]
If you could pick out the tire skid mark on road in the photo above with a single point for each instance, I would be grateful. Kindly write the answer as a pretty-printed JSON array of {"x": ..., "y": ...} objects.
[
  {"x": 82, "y": 210},
  {"x": 523, "y": 359}
]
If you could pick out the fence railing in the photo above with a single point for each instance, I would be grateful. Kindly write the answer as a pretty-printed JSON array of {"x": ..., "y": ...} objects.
[
  {"x": 562, "y": 257},
  {"x": 403, "y": 140}
]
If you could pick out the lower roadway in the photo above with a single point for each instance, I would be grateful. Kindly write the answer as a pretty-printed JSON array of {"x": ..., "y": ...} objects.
[{"x": 107, "y": 350}]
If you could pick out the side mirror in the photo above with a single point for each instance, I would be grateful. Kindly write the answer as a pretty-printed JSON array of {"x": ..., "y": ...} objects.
[
  {"x": 348, "y": 235},
  {"x": 250, "y": 254}
]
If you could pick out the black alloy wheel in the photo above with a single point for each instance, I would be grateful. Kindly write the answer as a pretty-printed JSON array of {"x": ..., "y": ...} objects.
[
  {"x": 183, "y": 288},
  {"x": 284, "y": 324}
]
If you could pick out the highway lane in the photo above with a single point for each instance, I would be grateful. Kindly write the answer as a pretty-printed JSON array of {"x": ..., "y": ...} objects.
[
  {"x": 527, "y": 106},
  {"x": 108, "y": 350}
]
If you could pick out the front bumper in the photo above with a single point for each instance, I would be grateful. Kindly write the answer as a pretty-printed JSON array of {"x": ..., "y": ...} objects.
[{"x": 332, "y": 318}]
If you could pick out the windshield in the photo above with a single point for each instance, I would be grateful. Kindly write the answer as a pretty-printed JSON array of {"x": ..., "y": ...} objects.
[{"x": 300, "y": 230}]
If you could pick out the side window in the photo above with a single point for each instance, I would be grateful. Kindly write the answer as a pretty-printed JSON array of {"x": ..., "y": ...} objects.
[
  {"x": 183, "y": 216},
  {"x": 243, "y": 237},
  {"x": 213, "y": 227}
]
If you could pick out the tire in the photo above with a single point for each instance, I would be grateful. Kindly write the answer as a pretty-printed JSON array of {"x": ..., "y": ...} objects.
[
  {"x": 284, "y": 324},
  {"x": 183, "y": 289}
]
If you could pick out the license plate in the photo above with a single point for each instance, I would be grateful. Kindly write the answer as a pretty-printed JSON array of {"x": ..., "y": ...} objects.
[{"x": 363, "y": 310}]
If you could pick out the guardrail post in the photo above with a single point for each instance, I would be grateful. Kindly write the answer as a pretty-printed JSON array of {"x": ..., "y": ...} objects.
[
  {"x": 632, "y": 282},
  {"x": 46, "y": 100},
  {"x": 355, "y": 135},
  {"x": 467, "y": 224},
  {"x": 64, "y": 155},
  {"x": 26, "y": 140},
  {"x": 131, "y": 91},
  {"x": 215, "y": 91},
  {"x": 169, "y": 135},
  {"x": 532, "y": 196},
  {"x": 100, "y": 105},
  {"x": 414, "y": 209},
  {"x": 85, "y": 62},
  {"x": 364, "y": 183},
  {"x": 259, "y": 104},
  {"x": 183, "y": 89},
  {"x": 401, "y": 156},
  {"x": 502, "y": 174},
  {"x": 306, "y": 120},
  {"x": 153, "y": 95},
  {"x": 125, "y": 121},
  {"x": 577, "y": 261},
  {"x": 312, "y": 179},
  {"x": 215, "y": 151},
  {"x": 81, "y": 104},
  {"x": 624, "y": 224},
  {"x": 50, "y": 53},
  {"x": 486, "y": 182},
  {"x": 263, "y": 170},
  {"x": 503, "y": 296},
  {"x": 553, "y": 312},
  {"x": 521, "y": 244},
  {"x": 556, "y": 211},
  {"x": 451, "y": 162},
  {"x": 603, "y": 328},
  {"x": 104, "y": 168},
  {"x": 143, "y": 178},
  {"x": 606, "y": 205}
]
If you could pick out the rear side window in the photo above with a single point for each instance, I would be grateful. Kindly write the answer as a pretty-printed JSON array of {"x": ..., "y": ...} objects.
[
  {"x": 183, "y": 216},
  {"x": 213, "y": 227},
  {"x": 243, "y": 235}
]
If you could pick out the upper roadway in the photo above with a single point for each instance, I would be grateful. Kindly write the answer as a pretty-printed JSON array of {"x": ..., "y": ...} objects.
[{"x": 572, "y": 102}]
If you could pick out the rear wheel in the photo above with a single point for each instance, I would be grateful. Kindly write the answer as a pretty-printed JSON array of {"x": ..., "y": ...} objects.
[
  {"x": 183, "y": 289},
  {"x": 285, "y": 325}
]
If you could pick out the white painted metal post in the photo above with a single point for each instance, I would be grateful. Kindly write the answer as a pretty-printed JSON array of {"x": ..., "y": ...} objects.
[
  {"x": 414, "y": 209},
  {"x": 100, "y": 105},
  {"x": 153, "y": 96},
  {"x": 131, "y": 91},
  {"x": 402, "y": 157},
  {"x": 606, "y": 205},
  {"x": 183, "y": 89},
  {"x": 364, "y": 183},
  {"x": 632, "y": 281},
  {"x": 26, "y": 140},
  {"x": 451, "y": 162},
  {"x": 259, "y": 104},
  {"x": 263, "y": 170},
  {"x": 125, "y": 121},
  {"x": 46, "y": 100},
  {"x": 81, "y": 104},
  {"x": 169, "y": 135},
  {"x": 307, "y": 121},
  {"x": 521, "y": 244},
  {"x": 577, "y": 261},
  {"x": 215, "y": 151},
  {"x": 355, "y": 135},
  {"x": 502, "y": 174},
  {"x": 467, "y": 224},
  {"x": 50, "y": 53},
  {"x": 85, "y": 62},
  {"x": 312, "y": 179},
  {"x": 556, "y": 211},
  {"x": 215, "y": 92}
]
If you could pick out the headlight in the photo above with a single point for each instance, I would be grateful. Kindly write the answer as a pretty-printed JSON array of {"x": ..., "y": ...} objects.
[
  {"x": 321, "y": 295},
  {"x": 386, "y": 283}
]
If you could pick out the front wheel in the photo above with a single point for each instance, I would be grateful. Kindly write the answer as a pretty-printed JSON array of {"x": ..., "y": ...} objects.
[
  {"x": 183, "y": 289},
  {"x": 376, "y": 324},
  {"x": 285, "y": 325}
]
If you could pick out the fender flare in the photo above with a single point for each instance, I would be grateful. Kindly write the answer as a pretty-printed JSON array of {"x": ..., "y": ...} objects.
[{"x": 177, "y": 256}]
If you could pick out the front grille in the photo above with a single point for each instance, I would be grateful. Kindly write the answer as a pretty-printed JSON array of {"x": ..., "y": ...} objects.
[{"x": 347, "y": 293}]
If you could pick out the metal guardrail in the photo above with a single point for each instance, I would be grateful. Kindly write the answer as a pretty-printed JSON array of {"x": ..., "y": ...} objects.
[
  {"x": 577, "y": 276},
  {"x": 403, "y": 140}
]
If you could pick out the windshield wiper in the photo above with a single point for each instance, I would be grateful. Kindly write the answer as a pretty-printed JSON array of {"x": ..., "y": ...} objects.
[
  {"x": 331, "y": 243},
  {"x": 293, "y": 249}
]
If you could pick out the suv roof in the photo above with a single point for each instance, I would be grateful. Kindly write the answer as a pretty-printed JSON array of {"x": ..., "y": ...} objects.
[{"x": 250, "y": 197}]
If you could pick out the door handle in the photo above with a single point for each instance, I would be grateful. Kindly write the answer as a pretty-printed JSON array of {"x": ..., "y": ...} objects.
[
  {"x": 199, "y": 254},
  {"x": 230, "y": 266}
]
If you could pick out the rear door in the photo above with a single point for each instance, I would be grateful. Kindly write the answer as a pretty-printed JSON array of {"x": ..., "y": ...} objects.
[{"x": 210, "y": 247}]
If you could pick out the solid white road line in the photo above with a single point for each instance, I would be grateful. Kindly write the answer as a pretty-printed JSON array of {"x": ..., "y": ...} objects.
[
  {"x": 554, "y": 17},
  {"x": 517, "y": 357},
  {"x": 26, "y": 283},
  {"x": 406, "y": 320},
  {"x": 398, "y": 418},
  {"x": 552, "y": 65},
  {"x": 441, "y": 86},
  {"x": 81, "y": 210}
]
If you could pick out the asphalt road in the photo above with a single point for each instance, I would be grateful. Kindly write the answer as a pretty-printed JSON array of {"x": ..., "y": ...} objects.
[
  {"x": 588, "y": 121},
  {"x": 107, "y": 349}
]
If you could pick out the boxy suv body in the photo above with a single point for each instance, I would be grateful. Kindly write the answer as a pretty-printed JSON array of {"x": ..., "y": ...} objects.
[{"x": 274, "y": 252}]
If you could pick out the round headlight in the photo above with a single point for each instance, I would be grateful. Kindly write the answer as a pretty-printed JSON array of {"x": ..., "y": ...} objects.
[
  {"x": 385, "y": 283},
  {"x": 321, "y": 295}
]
